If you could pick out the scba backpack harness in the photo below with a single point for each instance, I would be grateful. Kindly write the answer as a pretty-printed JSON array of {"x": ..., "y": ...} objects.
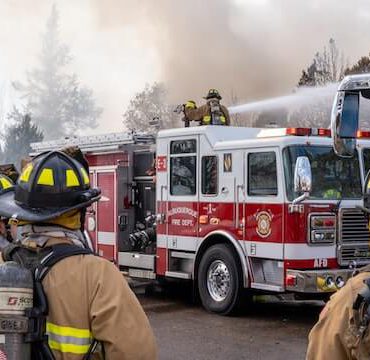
[{"x": 40, "y": 261}]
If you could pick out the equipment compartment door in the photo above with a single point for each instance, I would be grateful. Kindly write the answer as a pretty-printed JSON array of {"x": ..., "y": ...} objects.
[{"x": 106, "y": 215}]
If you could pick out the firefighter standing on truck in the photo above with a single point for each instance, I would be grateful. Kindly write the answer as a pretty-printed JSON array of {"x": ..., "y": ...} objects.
[
  {"x": 91, "y": 308},
  {"x": 211, "y": 113}
]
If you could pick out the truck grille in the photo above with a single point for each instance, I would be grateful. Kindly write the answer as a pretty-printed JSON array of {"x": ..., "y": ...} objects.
[{"x": 354, "y": 238}]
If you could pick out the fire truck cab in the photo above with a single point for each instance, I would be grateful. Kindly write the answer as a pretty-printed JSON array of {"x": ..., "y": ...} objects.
[{"x": 229, "y": 208}]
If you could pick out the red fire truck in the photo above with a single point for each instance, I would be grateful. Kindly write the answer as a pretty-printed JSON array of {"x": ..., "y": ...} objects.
[{"x": 228, "y": 208}]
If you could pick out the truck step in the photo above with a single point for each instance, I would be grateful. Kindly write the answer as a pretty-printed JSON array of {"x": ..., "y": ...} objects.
[
  {"x": 178, "y": 274},
  {"x": 267, "y": 287},
  {"x": 141, "y": 274}
]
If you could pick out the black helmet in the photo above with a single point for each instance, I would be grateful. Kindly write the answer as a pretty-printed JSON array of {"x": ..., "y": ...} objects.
[
  {"x": 50, "y": 185},
  {"x": 10, "y": 171},
  {"x": 213, "y": 93},
  {"x": 6, "y": 184}
]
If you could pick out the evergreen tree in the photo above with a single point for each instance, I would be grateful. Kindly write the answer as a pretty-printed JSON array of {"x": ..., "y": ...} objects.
[
  {"x": 18, "y": 137},
  {"x": 59, "y": 104},
  {"x": 362, "y": 66}
]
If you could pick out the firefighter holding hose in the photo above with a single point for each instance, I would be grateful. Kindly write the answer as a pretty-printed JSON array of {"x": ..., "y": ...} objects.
[
  {"x": 211, "y": 113},
  {"x": 82, "y": 306}
]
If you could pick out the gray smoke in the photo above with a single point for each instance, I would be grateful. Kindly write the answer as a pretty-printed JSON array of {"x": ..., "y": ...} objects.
[{"x": 252, "y": 48}]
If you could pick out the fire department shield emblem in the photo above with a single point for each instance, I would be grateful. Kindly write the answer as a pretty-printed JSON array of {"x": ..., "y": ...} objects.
[{"x": 263, "y": 219}]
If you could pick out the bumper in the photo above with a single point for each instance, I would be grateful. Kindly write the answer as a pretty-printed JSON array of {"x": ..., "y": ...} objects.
[{"x": 316, "y": 281}]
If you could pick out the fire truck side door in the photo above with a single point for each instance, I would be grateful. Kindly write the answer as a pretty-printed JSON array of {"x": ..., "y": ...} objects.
[
  {"x": 182, "y": 190},
  {"x": 264, "y": 209}
]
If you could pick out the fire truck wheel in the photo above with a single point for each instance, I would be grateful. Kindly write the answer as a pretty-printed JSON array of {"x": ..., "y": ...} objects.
[{"x": 219, "y": 279}]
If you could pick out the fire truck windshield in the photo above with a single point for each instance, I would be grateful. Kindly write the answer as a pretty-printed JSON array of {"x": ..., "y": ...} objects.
[{"x": 333, "y": 177}]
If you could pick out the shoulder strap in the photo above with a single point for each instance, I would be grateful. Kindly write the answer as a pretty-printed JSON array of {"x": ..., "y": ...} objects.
[
  {"x": 37, "y": 315},
  {"x": 58, "y": 253}
]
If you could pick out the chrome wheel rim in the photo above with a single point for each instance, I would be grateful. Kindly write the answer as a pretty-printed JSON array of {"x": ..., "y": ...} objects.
[{"x": 218, "y": 280}]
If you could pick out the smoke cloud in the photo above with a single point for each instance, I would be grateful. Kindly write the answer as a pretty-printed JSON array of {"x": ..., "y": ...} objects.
[{"x": 249, "y": 48}]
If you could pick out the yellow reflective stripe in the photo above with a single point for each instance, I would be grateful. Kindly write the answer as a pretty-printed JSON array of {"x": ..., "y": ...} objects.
[
  {"x": 68, "y": 348},
  {"x": 46, "y": 177},
  {"x": 207, "y": 119},
  {"x": 25, "y": 176},
  {"x": 5, "y": 183},
  {"x": 223, "y": 119},
  {"x": 72, "y": 179},
  {"x": 68, "y": 331},
  {"x": 85, "y": 176}
]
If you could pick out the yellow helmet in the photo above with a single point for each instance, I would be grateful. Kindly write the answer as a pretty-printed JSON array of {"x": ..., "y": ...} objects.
[{"x": 190, "y": 104}]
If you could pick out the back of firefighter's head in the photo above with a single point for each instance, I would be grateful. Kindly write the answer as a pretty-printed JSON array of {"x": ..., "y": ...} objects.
[
  {"x": 6, "y": 185},
  {"x": 213, "y": 94},
  {"x": 53, "y": 188}
]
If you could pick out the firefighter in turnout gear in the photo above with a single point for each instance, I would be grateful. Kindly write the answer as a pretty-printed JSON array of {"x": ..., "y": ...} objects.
[
  {"x": 342, "y": 331},
  {"x": 85, "y": 307},
  {"x": 211, "y": 113},
  {"x": 6, "y": 184}
]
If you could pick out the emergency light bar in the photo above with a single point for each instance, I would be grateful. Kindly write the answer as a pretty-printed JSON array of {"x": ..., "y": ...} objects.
[{"x": 321, "y": 132}]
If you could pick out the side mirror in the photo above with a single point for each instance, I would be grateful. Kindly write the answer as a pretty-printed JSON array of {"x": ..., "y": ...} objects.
[
  {"x": 344, "y": 122},
  {"x": 302, "y": 178}
]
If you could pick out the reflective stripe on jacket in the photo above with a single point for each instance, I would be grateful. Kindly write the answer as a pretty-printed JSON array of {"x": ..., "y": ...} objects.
[
  {"x": 207, "y": 120},
  {"x": 68, "y": 339}
]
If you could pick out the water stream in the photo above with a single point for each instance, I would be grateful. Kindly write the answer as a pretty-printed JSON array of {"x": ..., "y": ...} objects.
[{"x": 301, "y": 97}]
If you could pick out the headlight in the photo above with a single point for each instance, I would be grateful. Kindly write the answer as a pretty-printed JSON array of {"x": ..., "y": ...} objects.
[{"x": 322, "y": 229}]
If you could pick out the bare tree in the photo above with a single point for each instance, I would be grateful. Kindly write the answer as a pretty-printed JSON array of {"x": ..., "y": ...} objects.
[
  {"x": 149, "y": 111},
  {"x": 327, "y": 66}
]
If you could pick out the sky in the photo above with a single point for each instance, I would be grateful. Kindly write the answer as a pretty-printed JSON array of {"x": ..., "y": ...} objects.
[{"x": 250, "y": 48}]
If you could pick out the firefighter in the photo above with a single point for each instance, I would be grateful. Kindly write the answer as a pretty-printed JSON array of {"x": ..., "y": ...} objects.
[
  {"x": 342, "y": 331},
  {"x": 211, "y": 113},
  {"x": 91, "y": 308},
  {"x": 6, "y": 184}
]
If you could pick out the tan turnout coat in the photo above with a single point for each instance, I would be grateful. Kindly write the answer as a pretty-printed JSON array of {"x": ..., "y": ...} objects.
[
  {"x": 335, "y": 335},
  {"x": 89, "y": 294},
  {"x": 205, "y": 110}
]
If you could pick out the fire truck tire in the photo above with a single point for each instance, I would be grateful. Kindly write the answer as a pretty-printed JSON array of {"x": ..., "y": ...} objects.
[{"x": 219, "y": 279}]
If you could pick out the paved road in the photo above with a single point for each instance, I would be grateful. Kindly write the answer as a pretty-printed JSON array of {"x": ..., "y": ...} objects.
[{"x": 270, "y": 330}]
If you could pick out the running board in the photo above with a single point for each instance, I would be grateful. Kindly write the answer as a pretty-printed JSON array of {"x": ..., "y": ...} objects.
[
  {"x": 267, "y": 287},
  {"x": 178, "y": 275},
  {"x": 142, "y": 274}
]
